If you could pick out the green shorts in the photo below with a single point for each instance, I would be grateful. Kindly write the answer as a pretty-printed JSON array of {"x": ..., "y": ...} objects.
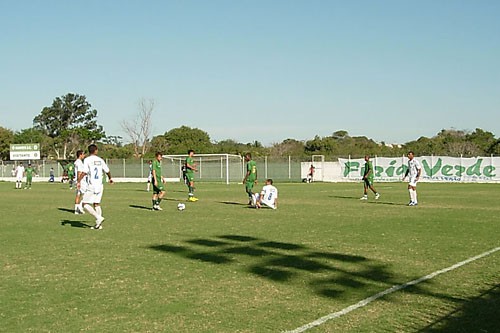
[
  {"x": 159, "y": 188},
  {"x": 368, "y": 181},
  {"x": 249, "y": 185},
  {"x": 190, "y": 176}
]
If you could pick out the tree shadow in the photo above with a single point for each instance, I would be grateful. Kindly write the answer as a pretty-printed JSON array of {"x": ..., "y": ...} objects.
[
  {"x": 476, "y": 314},
  {"x": 328, "y": 274},
  {"x": 75, "y": 224}
]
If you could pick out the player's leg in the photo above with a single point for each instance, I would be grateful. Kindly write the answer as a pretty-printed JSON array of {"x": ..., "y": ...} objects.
[
  {"x": 377, "y": 195},
  {"x": 249, "y": 191},
  {"x": 365, "y": 188}
]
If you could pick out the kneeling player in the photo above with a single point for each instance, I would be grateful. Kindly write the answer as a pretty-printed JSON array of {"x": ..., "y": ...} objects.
[{"x": 268, "y": 196}]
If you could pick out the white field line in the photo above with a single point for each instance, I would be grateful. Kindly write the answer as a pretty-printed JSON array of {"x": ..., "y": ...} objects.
[{"x": 391, "y": 290}]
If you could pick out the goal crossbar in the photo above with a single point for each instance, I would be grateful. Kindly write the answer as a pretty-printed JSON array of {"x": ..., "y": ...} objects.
[{"x": 230, "y": 165}]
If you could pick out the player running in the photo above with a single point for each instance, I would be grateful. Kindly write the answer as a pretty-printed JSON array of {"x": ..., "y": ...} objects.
[
  {"x": 92, "y": 174},
  {"x": 268, "y": 196},
  {"x": 368, "y": 179},
  {"x": 190, "y": 169},
  {"x": 414, "y": 170}
]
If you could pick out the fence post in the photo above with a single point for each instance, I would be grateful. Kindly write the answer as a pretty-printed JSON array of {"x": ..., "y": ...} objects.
[
  {"x": 265, "y": 166},
  {"x": 289, "y": 167}
]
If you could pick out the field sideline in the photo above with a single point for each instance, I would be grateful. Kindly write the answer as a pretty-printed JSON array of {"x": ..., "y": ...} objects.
[{"x": 220, "y": 266}]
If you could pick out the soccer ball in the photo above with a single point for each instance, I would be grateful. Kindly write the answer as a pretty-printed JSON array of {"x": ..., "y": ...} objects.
[{"x": 181, "y": 206}]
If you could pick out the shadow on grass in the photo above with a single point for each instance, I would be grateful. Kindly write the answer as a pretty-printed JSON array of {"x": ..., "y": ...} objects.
[
  {"x": 74, "y": 224},
  {"x": 139, "y": 207},
  {"x": 328, "y": 274},
  {"x": 67, "y": 210},
  {"x": 233, "y": 203},
  {"x": 477, "y": 314},
  {"x": 374, "y": 202}
]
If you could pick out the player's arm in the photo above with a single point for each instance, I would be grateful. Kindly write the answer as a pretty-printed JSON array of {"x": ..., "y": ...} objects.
[
  {"x": 79, "y": 178},
  {"x": 155, "y": 180},
  {"x": 276, "y": 202},
  {"x": 109, "y": 177},
  {"x": 406, "y": 173},
  {"x": 419, "y": 171},
  {"x": 191, "y": 166},
  {"x": 246, "y": 175}
]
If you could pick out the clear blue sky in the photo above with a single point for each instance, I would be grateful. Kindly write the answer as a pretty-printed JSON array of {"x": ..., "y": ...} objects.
[{"x": 264, "y": 70}]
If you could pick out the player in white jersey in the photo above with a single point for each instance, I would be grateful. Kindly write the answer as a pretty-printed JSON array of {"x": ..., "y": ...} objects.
[
  {"x": 80, "y": 155},
  {"x": 92, "y": 175},
  {"x": 413, "y": 173},
  {"x": 19, "y": 175},
  {"x": 268, "y": 196}
]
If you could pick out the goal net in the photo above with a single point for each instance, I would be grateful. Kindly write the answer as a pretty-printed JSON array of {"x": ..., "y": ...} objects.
[{"x": 225, "y": 168}]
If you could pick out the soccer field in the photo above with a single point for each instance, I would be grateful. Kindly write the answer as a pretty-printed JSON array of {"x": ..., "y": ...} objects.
[{"x": 220, "y": 266}]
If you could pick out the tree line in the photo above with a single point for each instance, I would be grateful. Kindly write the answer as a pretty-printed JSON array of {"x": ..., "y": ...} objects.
[{"x": 70, "y": 123}]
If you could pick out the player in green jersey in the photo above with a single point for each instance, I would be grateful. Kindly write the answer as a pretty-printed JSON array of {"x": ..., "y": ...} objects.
[
  {"x": 368, "y": 179},
  {"x": 29, "y": 176},
  {"x": 250, "y": 178},
  {"x": 70, "y": 169},
  {"x": 190, "y": 168},
  {"x": 158, "y": 182}
]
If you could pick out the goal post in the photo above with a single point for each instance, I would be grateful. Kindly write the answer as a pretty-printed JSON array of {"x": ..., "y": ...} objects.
[{"x": 225, "y": 168}]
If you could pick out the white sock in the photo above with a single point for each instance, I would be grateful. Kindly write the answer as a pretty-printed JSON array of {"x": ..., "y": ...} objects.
[
  {"x": 98, "y": 210},
  {"x": 413, "y": 195},
  {"x": 76, "y": 207},
  {"x": 91, "y": 210}
]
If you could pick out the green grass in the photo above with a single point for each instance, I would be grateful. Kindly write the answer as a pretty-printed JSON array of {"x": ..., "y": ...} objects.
[{"x": 219, "y": 266}]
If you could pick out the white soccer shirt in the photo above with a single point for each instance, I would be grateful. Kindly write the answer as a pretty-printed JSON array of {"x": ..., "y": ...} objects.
[
  {"x": 78, "y": 166},
  {"x": 19, "y": 172},
  {"x": 413, "y": 167},
  {"x": 94, "y": 167},
  {"x": 269, "y": 194}
]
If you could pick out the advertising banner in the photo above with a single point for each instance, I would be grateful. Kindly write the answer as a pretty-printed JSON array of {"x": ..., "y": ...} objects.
[
  {"x": 25, "y": 151},
  {"x": 434, "y": 168}
]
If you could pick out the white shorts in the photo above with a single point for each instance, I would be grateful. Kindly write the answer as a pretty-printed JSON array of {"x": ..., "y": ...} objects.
[
  {"x": 413, "y": 181},
  {"x": 19, "y": 178},
  {"x": 92, "y": 196}
]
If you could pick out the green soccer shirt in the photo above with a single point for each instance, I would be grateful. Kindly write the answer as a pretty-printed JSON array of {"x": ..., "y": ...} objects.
[
  {"x": 190, "y": 161},
  {"x": 29, "y": 172},
  {"x": 369, "y": 170},
  {"x": 156, "y": 166},
  {"x": 252, "y": 167}
]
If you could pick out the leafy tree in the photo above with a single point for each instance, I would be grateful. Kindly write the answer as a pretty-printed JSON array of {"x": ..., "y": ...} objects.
[
  {"x": 71, "y": 122},
  {"x": 6, "y": 139},
  {"x": 288, "y": 147},
  {"x": 183, "y": 138},
  {"x": 483, "y": 140},
  {"x": 158, "y": 144}
]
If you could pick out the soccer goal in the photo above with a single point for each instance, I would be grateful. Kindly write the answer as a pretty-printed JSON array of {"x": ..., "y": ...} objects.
[{"x": 211, "y": 167}]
